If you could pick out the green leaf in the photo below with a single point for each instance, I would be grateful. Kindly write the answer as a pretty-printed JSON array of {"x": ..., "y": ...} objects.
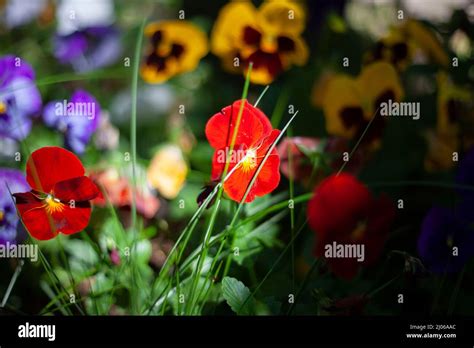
[{"x": 236, "y": 293}]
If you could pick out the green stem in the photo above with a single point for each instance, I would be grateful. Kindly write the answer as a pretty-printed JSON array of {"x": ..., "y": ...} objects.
[
  {"x": 12, "y": 283},
  {"x": 292, "y": 210},
  {"x": 133, "y": 141},
  {"x": 65, "y": 261}
]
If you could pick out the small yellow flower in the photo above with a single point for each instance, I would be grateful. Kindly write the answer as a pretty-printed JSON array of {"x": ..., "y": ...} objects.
[
  {"x": 268, "y": 37},
  {"x": 350, "y": 103},
  {"x": 403, "y": 43},
  {"x": 175, "y": 47},
  {"x": 167, "y": 171}
]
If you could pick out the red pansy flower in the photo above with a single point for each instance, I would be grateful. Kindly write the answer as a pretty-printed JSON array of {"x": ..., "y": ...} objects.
[
  {"x": 254, "y": 138},
  {"x": 60, "y": 195},
  {"x": 343, "y": 211}
]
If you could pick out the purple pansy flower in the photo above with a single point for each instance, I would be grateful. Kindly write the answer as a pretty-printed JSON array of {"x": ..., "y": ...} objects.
[
  {"x": 9, "y": 221},
  {"x": 20, "y": 99},
  {"x": 86, "y": 36},
  {"x": 446, "y": 241},
  {"x": 20, "y": 12},
  {"x": 88, "y": 49},
  {"x": 76, "y": 118}
]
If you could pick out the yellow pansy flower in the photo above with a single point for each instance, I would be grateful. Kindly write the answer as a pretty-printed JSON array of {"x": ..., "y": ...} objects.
[
  {"x": 268, "y": 37},
  {"x": 404, "y": 42},
  {"x": 454, "y": 125},
  {"x": 349, "y": 103},
  {"x": 174, "y": 47}
]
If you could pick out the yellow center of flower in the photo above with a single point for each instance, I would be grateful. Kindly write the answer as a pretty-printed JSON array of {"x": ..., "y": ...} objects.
[
  {"x": 53, "y": 205},
  {"x": 2, "y": 215},
  {"x": 3, "y": 107},
  {"x": 250, "y": 160}
]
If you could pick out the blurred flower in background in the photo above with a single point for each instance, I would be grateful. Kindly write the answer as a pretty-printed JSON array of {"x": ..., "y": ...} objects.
[
  {"x": 344, "y": 211},
  {"x": 86, "y": 36},
  {"x": 434, "y": 10},
  {"x": 11, "y": 180},
  {"x": 269, "y": 37},
  {"x": 300, "y": 151},
  {"x": 154, "y": 102},
  {"x": 76, "y": 118},
  {"x": 107, "y": 135},
  {"x": 454, "y": 126},
  {"x": 408, "y": 42},
  {"x": 446, "y": 241},
  {"x": 20, "y": 100},
  {"x": 161, "y": 247},
  {"x": 175, "y": 47},
  {"x": 168, "y": 170},
  {"x": 20, "y": 12},
  {"x": 117, "y": 188},
  {"x": 351, "y": 103}
]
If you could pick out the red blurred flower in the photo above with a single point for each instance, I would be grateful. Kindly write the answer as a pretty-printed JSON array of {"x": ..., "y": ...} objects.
[
  {"x": 60, "y": 195},
  {"x": 118, "y": 190},
  {"x": 254, "y": 138},
  {"x": 344, "y": 211},
  {"x": 300, "y": 149}
]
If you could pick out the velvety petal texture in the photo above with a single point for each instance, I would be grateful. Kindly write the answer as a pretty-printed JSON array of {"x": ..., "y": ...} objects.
[
  {"x": 344, "y": 211},
  {"x": 253, "y": 140},
  {"x": 61, "y": 195}
]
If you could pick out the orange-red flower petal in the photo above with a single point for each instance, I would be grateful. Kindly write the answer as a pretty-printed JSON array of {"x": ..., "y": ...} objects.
[
  {"x": 253, "y": 125},
  {"x": 59, "y": 201},
  {"x": 50, "y": 165}
]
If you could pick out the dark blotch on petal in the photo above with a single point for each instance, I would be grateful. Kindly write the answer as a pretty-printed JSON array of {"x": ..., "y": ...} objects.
[
  {"x": 400, "y": 52},
  {"x": 158, "y": 62},
  {"x": 378, "y": 50},
  {"x": 252, "y": 36},
  {"x": 176, "y": 50},
  {"x": 455, "y": 109},
  {"x": 384, "y": 98},
  {"x": 285, "y": 44},
  {"x": 156, "y": 38},
  {"x": 270, "y": 61},
  {"x": 352, "y": 116}
]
